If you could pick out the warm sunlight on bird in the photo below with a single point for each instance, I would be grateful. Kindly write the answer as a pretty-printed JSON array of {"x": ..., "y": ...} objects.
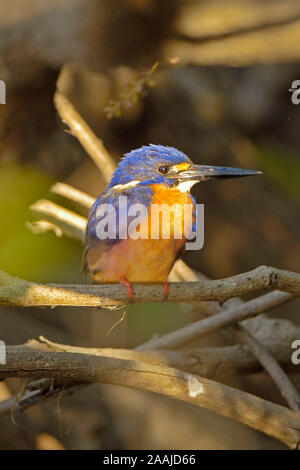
[{"x": 149, "y": 176}]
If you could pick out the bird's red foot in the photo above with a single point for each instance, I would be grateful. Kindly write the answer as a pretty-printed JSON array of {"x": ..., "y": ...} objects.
[
  {"x": 166, "y": 290},
  {"x": 129, "y": 288}
]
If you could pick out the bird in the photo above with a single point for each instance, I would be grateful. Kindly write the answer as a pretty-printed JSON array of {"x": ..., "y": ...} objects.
[{"x": 147, "y": 177}]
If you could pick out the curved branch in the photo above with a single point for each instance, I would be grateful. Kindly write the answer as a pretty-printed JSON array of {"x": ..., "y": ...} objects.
[
  {"x": 272, "y": 419},
  {"x": 70, "y": 223}
]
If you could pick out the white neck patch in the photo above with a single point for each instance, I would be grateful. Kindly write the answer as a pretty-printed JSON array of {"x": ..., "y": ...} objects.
[
  {"x": 185, "y": 186},
  {"x": 120, "y": 187}
]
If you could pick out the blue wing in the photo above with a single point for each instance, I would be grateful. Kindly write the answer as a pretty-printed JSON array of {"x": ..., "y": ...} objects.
[{"x": 107, "y": 207}]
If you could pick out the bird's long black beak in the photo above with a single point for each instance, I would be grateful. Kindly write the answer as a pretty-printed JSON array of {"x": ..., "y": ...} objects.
[{"x": 207, "y": 172}]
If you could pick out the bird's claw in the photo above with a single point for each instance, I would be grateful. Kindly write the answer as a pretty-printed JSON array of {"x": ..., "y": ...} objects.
[
  {"x": 166, "y": 290},
  {"x": 129, "y": 288}
]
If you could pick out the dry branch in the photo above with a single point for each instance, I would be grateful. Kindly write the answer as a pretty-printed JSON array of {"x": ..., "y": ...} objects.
[
  {"x": 226, "y": 317},
  {"x": 79, "y": 128},
  {"x": 210, "y": 362},
  {"x": 73, "y": 194},
  {"x": 28, "y": 294},
  {"x": 240, "y": 332},
  {"x": 70, "y": 223},
  {"x": 278, "y": 375},
  {"x": 241, "y": 49},
  {"x": 274, "y": 420}
]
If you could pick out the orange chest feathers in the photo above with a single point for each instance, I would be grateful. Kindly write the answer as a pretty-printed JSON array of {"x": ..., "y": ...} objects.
[{"x": 170, "y": 213}]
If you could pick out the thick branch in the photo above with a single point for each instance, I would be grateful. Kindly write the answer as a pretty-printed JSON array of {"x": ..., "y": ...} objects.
[
  {"x": 274, "y": 420},
  {"x": 210, "y": 362},
  {"x": 19, "y": 292}
]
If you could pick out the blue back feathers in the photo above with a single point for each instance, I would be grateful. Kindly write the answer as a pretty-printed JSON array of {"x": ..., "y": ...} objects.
[{"x": 135, "y": 195}]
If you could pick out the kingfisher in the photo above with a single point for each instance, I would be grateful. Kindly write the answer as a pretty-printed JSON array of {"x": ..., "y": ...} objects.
[{"x": 148, "y": 177}]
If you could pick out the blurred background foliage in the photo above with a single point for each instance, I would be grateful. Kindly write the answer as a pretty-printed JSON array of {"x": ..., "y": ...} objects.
[{"x": 219, "y": 93}]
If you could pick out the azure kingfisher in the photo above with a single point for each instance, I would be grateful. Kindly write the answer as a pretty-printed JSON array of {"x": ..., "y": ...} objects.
[{"x": 150, "y": 175}]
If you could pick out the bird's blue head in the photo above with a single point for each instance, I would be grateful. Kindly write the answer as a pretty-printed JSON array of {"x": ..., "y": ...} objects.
[
  {"x": 156, "y": 164},
  {"x": 150, "y": 164}
]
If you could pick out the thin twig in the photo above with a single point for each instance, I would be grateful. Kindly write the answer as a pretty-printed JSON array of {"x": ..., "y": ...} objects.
[
  {"x": 226, "y": 317},
  {"x": 239, "y": 31},
  {"x": 89, "y": 141},
  {"x": 42, "y": 226},
  {"x": 68, "y": 221},
  {"x": 73, "y": 194},
  {"x": 37, "y": 391},
  {"x": 79, "y": 128}
]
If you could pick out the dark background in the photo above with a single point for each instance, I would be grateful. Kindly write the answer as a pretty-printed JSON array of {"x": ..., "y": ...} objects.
[{"x": 225, "y": 101}]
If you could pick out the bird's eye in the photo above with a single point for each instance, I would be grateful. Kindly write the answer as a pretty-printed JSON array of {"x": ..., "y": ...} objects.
[{"x": 163, "y": 169}]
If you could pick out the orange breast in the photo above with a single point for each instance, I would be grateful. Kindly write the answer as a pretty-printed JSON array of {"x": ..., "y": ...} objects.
[
  {"x": 148, "y": 259},
  {"x": 175, "y": 210}
]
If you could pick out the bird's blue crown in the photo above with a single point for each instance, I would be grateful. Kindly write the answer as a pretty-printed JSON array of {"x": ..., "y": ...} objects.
[{"x": 141, "y": 164}]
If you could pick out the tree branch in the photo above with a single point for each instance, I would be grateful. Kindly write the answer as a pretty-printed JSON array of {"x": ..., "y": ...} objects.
[
  {"x": 286, "y": 387},
  {"x": 89, "y": 141},
  {"x": 19, "y": 292},
  {"x": 274, "y": 420},
  {"x": 73, "y": 194},
  {"x": 226, "y": 317},
  {"x": 239, "y": 31},
  {"x": 210, "y": 362},
  {"x": 70, "y": 223}
]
